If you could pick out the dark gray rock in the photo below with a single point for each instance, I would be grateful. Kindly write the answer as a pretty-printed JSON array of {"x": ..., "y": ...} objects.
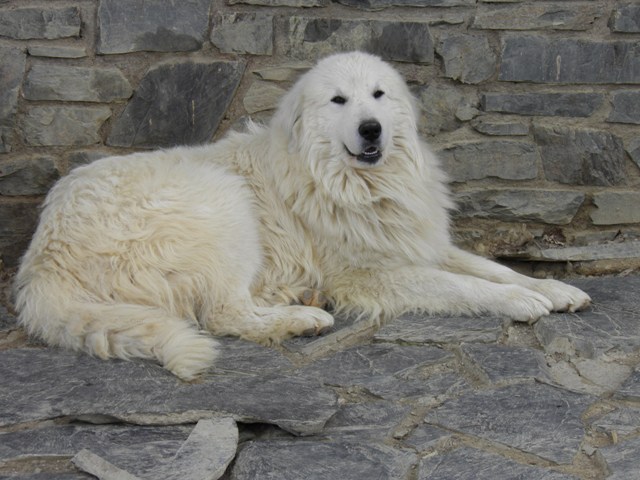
[
  {"x": 626, "y": 18},
  {"x": 509, "y": 160},
  {"x": 244, "y": 33},
  {"x": 557, "y": 207},
  {"x": 544, "y": 104},
  {"x": 499, "y": 127},
  {"x": 12, "y": 65},
  {"x": 53, "y": 125},
  {"x": 581, "y": 157},
  {"x": 630, "y": 389},
  {"x": 536, "y": 16},
  {"x": 615, "y": 208},
  {"x": 282, "y": 3},
  {"x": 538, "y": 59},
  {"x": 36, "y": 385},
  {"x": 425, "y": 437},
  {"x": 626, "y": 107},
  {"x": 442, "y": 107},
  {"x": 467, "y": 463},
  {"x": 417, "y": 328},
  {"x": 610, "y": 327},
  {"x": 177, "y": 104},
  {"x": 310, "y": 38},
  {"x": 502, "y": 363},
  {"x": 621, "y": 421},
  {"x": 375, "y": 420},
  {"x": 81, "y": 84},
  {"x": 248, "y": 358},
  {"x": 55, "y": 51},
  {"x": 27, "y": 176},
  {"x": 152, "y": 25},
  {"x": 49, "y": 23},
  {"x": 381, "y": 4},
  {"x": 17, "y": 223},
  {"x": 622, "y": 459},
  {"x": 467, "y": 58},
  {"x": 7, "y": 320},
  {"x": 287, "y": 459},
  {"x": 83, "y": 157},
  {"x": 532, "y": 417},
  {"x": 633, "y": 149}
]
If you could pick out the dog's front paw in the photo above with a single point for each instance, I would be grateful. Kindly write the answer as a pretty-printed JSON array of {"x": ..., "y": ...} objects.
[
  {"x": 565, "y": 298},
  {"x": 524, "y": 305}
]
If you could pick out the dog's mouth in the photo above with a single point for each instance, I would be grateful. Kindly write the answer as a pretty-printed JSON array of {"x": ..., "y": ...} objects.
[{"x": 370, "y": 155}]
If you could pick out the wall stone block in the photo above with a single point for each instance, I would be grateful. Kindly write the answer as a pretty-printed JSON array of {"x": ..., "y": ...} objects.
[
  {"x": 626, "y": 107},
  {"x": 177, "y": 104},
  {"x": 262, "y": 96},
  {"x": 538, "y": 16},
  {"x": 506, "y": 159},
  {"x": 27, "y": 176},
  {"x": 282, "y": 3},
  {"x": 493, "y": 126},
  {"x": 152, "y": 25},
  {"x": 557, "y": 207},
  {"x": 616, "y": 208},
  {"x": 244, "y": 33},
  {"x": 544, "y": 104},
  {"x": 55, "y": 51},
  {"x": 581, "y": 157},
  {"x": 18, "y": 221},
  {"x": 53, "y": 82},
  {"x": 538, "y": 59},
  {"x": 62, "y": 125},
  {"x": 633, "y": 149},
  {"x": 626, "y": 18},
  {"x": 443, "y": 107},
  {"x": 381, "y": 4},
  {"x": 12, "y": 65},
  {"x": 400, "y": 41},
  {"x": 467, "y": 58},
  {"x": 49, "y": 23}
]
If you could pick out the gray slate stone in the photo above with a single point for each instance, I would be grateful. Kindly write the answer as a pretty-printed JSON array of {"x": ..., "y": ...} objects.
[
  {"x": 581, "y": 157},
  {"x": 633, "y": 149},
  {"x": 27, "y": 176},
  {"x": 282, "y": 3},
  {"x": 503, "y": 363},
  {"x": 99, "y": 467},
  {"x": 83, "y": 157},
  {"x": 177, "y": 104},
  {"x": 375, "y": 420},
  {"x": 417, "y": 328},
  {"x": 509, "y": 160},
  {"x": 49, "y": 23},
  {"x": 63, "y": 125},
  {"x": 623, "y": 421},
  {"x": 250, "y": 33},
  {"x": 615, "y": 208},
  {"x": 311, "y": 38},
  {"x": 557, "y": 207},
  {"x": 622, "y": 459},
  {"x": 55, "y": 51},
  {"x": 537, "y": 16},
  {"x": 532, "y": 417},
  {"x": 630, "y": 389},
  {"x": 545, "y": 104},
  {"x": 152, "y": 25},
  {"x": 289, "y": 460},
  {"x": 538, "y": 59},
  {"x": 17, "y": 223},
  {"x": 144, "y": 393},
  {"x": 626, "y": 107},
  {"x": 500, "y": 127},
  {"x": 12, "y": 65},
  {"x": 80, "y": 84},
  {"x": 626, "y": 18},
  {"x": 7, "y": 320},
  {"x": 610, "y": 327},
  {"x": 467, "y": 58},
  {"x": 442, "y": 108},
  {"x": 425, "y": 437},
  {"x": 467, "y": 463},
  {"x": 382, "y": 4}
]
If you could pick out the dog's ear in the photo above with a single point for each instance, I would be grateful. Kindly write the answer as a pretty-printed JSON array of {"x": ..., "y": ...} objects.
[{"x": 288, "y": 117}]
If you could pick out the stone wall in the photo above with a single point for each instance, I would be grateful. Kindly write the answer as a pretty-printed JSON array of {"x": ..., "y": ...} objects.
[{"x": 534, "y": 106}]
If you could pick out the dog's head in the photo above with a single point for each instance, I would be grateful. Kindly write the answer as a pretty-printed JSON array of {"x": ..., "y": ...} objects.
[{"x": 350, "y": 108}]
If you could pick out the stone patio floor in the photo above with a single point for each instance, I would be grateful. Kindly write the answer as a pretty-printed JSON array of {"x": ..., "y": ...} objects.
[{"x": 420, "y": 398}]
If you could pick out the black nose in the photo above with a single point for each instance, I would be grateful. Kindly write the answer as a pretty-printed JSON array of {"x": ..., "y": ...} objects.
[{"x": 370, "y": 130}]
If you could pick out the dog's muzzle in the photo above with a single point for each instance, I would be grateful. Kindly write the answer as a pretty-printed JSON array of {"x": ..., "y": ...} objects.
[{"x": 369, "y": 131}]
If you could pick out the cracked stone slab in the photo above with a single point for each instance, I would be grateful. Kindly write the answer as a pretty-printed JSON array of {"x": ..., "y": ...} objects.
[
  {"x": 289, "y": 460},
  {"x": 425, "y": 437},
  {"x": 532, "y": 417},
  {"x": 420, "y": 328},
  {"x": 502, "y": 363},
  {"x": 611, "y": 327},
  {"x": 49, "y": 383},
  {"x": 630, "y": 389},
  {"x": 622, "y": 459},
  {"x": 622, "y": 421},
  {"x": 470, "y": 464},
  {"x": 372, "y": 419}
]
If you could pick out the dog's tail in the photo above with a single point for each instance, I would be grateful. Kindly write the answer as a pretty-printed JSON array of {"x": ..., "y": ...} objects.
[{"x": 119, "y": 330}]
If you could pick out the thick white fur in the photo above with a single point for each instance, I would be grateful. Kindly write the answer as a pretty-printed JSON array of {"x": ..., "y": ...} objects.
[{"x": 135, "y": 256}]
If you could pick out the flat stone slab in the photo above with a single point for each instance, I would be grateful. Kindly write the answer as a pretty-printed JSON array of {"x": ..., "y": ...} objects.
[
  {"x": 470, "y": 464},
  {"x": 293, "y": 460},
  {"x": 532, "y": 417},
  {"x": 44, "y": 384},
  {"x": 630, "y": 389},
  {"x": 622, "y": 421},
  {"x": 417, "y": 328},
  {"x": 501, "y": 363},
  {"x": 622, "y": 459},
  {"x": 611, "y": 327},
  {"x": 372, "y": 419}
]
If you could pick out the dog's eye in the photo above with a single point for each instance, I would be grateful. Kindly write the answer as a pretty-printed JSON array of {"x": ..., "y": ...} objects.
[
  {"x": 378, "y": 94},
  {"x": 339, "y": 100}
]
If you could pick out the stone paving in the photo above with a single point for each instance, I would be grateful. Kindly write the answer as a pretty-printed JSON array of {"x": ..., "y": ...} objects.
[{"x": 420, "y": 398}]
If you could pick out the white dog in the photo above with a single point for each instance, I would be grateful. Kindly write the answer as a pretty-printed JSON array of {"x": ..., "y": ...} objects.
[{"x": 135, "y": 256}]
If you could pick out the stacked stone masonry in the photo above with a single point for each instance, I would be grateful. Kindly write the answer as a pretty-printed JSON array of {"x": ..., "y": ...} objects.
[{"x": 533, "y": 106}]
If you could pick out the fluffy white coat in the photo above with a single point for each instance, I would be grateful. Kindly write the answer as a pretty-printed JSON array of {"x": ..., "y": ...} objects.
[{"x": 145, "y": 255}]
